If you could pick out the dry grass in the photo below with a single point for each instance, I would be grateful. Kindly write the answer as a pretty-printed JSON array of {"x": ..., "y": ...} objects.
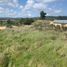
[{"x": 27, "y": 47}]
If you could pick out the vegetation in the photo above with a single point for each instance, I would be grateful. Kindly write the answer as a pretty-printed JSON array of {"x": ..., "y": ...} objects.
[
  {"x": 9, "y": 23},
  {"x": 41, "y": 24},
  {"x": 17, "y": 22},
  {"x": 26, "y": 21},
  {"x": 42, "y": 15},
  {"x": 30, "y": 47}
]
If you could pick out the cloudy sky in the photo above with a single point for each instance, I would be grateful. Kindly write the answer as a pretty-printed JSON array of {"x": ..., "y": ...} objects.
[{"x": 32, "y": 8}]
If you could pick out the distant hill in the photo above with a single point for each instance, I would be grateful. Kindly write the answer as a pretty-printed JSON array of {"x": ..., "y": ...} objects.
[
  {"x": 47, "y": 17},
  {"x": 57, "y": 17}
]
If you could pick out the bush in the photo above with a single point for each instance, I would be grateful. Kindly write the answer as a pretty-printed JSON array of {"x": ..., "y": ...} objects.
[
  {"x": 9, "y": 23},
  {"x": 26, "y": 21}
]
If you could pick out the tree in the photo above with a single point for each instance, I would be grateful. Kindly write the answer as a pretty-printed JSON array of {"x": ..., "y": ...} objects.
[
  {"x": 42, "y": 15},
  {"x": 9, "y": 23}
]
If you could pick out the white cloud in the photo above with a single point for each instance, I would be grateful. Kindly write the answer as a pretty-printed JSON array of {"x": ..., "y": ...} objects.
[
  {"x": 2, "y": 9},
  {"x": 21, "y": 7},
  {"x": 7, "y": 12},
  {"x": 36, "y": 5},
  {"x": 50, "y": 9},
  {"x": 11, "y": 13},
  {"x": 26, "y": 10},
  {"x": 58, "y": 11},
  {"x": 54, "y": 12},
  {"x": 30, "y": 1},
  {"x": 29, "y": 4},
  {"x": 15, "y": 3},
  {"x": 29, "y": 15},
  {"x": 45, "y": 1},
  {"x": 39, "y": 6},
  {"x": 10, "y": 3},
  {"x": 3, "y": 1}
]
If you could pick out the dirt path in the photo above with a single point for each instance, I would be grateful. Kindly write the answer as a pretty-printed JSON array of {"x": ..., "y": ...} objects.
[{"x": 2, "y": 27}]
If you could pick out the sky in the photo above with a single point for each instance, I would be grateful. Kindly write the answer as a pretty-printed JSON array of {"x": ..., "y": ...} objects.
[{"x": 32, "y": 8}]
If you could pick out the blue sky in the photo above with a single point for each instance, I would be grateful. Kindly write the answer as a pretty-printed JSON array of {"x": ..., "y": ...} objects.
[{"x": 32, "y": 8}]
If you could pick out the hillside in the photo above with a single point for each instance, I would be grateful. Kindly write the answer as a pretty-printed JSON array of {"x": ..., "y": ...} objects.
[{"x": 28, "y": 47}]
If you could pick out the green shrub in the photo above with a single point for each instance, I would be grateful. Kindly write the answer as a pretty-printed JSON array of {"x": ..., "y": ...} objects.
[
  {"x": 9, "y": 23},
  {"x": 3, "y": 23},
  {"x": 26, "y": 21}
]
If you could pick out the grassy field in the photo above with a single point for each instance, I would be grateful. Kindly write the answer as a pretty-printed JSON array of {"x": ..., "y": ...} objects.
[{"x": 28, "y": 47}]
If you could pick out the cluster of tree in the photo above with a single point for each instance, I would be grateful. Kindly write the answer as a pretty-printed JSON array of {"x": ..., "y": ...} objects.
[{"x": 17, "y": 22}]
